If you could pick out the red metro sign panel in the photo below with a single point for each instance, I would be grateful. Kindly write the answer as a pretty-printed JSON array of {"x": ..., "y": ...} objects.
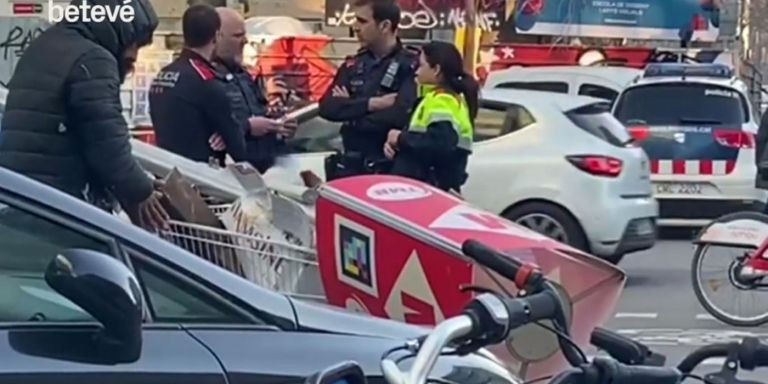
[{"x": 391, "y": 247}]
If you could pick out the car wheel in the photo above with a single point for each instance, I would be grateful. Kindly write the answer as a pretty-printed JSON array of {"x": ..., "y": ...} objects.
[{"x": 549, "y": 220}]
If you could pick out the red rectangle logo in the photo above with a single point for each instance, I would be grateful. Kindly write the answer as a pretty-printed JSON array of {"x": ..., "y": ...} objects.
[{"x": 27, "y": 8}]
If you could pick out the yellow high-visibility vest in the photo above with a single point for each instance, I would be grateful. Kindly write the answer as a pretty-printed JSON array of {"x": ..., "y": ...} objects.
[{"x": 437, "y": 105}]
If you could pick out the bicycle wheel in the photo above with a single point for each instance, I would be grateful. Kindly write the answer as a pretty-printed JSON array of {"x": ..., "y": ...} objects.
[{"x": 711, "y": 287}]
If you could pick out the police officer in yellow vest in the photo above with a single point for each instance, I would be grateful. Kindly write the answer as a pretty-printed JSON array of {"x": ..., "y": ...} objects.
[{"x": 438, "y": 141}]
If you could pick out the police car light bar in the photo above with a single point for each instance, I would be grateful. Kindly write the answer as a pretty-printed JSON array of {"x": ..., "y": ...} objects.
[{"x": 685, "y": 70}]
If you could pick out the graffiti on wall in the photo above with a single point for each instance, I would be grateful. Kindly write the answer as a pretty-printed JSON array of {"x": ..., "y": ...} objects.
[
  {"x": 426, "y": 14},
  {"x": 16, "y": 33},
  {"x": 305, "y": 65}
]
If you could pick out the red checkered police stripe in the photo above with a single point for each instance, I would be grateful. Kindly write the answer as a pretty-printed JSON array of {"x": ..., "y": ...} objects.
[{"x": 692, "y": 167}]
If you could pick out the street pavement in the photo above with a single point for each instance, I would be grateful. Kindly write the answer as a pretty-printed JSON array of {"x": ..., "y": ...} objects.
[{"x": 658, "y": 306}]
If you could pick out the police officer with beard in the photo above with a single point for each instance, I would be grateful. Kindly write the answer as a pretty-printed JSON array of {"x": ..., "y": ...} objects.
[
  {"x": 373, "y": 91},
  {"x": 263, "y": 129}
]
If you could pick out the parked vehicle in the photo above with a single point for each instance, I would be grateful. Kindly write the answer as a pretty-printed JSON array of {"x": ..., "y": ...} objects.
[
  {"x": 697, "y": 125},
  {"x": 90, "y": 298},
  {"x": 600, "y": 82},
  {"x": 538, "y": 157}
]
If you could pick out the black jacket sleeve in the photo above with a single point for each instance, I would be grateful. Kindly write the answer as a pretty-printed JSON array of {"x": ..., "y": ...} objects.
[
  {"x": 398, "y": 115},
  {"x": 761, "y": 140},
  {"x": 430, "y": 146},
  {"x": 341, "y": 109},
  {"x": 218, "y": 112},
  {"x": 94, "y": 111}
]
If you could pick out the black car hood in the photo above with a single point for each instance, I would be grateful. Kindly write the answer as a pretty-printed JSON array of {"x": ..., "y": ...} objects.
[
  {"x": 318, "y": 317},
  {"x": 325, "y": 318},
  {"x": 287, "y": 357}
]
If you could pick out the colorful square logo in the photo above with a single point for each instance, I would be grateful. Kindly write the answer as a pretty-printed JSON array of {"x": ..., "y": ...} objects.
[{"x": 355, "y": 257}]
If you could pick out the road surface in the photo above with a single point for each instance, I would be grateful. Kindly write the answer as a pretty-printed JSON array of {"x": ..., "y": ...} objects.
[{"x": 659, "y": 308}]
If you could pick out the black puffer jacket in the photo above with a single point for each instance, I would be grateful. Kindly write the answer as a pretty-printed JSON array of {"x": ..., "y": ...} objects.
[{"x": 63, "y": 122}]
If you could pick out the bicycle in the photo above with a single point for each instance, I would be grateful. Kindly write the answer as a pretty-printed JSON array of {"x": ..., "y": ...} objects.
[
  {"x": 745, "y": 272},
  {"x": 489, "y": 318}
]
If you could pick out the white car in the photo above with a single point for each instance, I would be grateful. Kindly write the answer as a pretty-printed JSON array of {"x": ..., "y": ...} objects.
[
  {"x": 601, "y": 82},
  {"x": 558, "y": 164},
  {"x": 698, "y": 127}
]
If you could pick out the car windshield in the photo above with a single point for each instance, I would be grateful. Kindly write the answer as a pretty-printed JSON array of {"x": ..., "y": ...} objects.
[{"x": 681, "y": 104}]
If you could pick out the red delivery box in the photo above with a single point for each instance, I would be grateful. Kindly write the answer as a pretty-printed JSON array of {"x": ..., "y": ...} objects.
[{"x": 391, "y": 247}]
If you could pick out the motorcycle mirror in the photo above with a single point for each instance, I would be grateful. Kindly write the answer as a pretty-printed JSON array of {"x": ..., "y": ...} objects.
[
  {"x": 532, "y": 343},
  {"x": 347, "y": 372}
]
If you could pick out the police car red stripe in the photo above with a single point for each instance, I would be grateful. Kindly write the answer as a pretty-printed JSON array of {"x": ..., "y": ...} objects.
[{"x": 692, "y": 167}]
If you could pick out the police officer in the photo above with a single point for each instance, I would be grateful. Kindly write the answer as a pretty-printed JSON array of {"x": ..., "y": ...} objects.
[
  {"x": 263, "y": 129},
  {"x": 188, "y": 104},
  {"x": 436, "y": 146},
  {"x": 372, "y": 92}
]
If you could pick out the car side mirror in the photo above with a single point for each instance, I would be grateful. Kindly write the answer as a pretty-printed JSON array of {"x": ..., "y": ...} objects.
[
  {"x": 347, "y": 372},
  {"x": 107, "y": 290}
]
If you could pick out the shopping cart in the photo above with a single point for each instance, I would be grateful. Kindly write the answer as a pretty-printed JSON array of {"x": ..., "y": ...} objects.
[{"x": 269, "y": 258}]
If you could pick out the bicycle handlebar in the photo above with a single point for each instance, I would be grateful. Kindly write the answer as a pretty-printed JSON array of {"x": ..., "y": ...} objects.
[
  {"x": 523, "y": 275},
  {"x": 751, "y": 354},
  {"x": 605, "y": 371},
  {"x": 487, "y": 320},
  {"x": 624, "y": 349},
  {"x": 526, "y": 277}
]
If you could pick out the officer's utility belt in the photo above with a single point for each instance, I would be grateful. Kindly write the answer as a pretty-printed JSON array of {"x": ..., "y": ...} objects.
[{"x": 348, "y": 164}]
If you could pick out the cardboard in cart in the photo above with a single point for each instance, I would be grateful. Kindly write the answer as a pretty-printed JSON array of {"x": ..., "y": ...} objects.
[{"x": 184, "y": 203}]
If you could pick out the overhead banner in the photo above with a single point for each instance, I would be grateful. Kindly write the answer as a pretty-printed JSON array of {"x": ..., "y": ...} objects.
[
  {"x": 425, "y": 14},
  {"x": 635, "y": 19}
]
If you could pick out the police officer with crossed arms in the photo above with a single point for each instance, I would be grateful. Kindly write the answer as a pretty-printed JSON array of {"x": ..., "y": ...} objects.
[{"x": 373, "y": 91}]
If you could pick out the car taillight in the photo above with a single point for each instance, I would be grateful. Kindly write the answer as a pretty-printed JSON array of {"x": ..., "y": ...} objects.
[
  {"x": 639, "y": 132},
  {"x": 734, "y": 138},
  {"x": 597, "y": 165}
]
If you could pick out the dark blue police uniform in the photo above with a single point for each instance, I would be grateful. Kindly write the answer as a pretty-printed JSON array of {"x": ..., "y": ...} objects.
[
  {"x": 363, "y": 132},
  {"x": 188, "y": 105},
  {"x": 247, "y": 98}
]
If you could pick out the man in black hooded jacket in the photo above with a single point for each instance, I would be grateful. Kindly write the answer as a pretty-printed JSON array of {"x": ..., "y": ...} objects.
[{"x": 63, "y": 122}]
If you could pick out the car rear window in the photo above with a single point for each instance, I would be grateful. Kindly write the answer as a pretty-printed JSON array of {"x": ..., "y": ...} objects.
[
  {"x": 597, "y": 120},
  {"x": 545, "y": 86},
  {"x": 681, "y": 104}
]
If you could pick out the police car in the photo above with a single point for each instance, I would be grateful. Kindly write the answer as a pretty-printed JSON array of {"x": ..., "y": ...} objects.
[{"x": 698, "y": 127}]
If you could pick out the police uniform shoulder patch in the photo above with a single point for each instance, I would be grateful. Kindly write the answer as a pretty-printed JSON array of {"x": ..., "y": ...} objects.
[{"x": 205, "y": 72}]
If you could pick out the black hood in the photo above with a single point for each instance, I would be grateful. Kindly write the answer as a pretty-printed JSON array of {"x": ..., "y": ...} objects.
[{"x": 118, "y": 35}]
